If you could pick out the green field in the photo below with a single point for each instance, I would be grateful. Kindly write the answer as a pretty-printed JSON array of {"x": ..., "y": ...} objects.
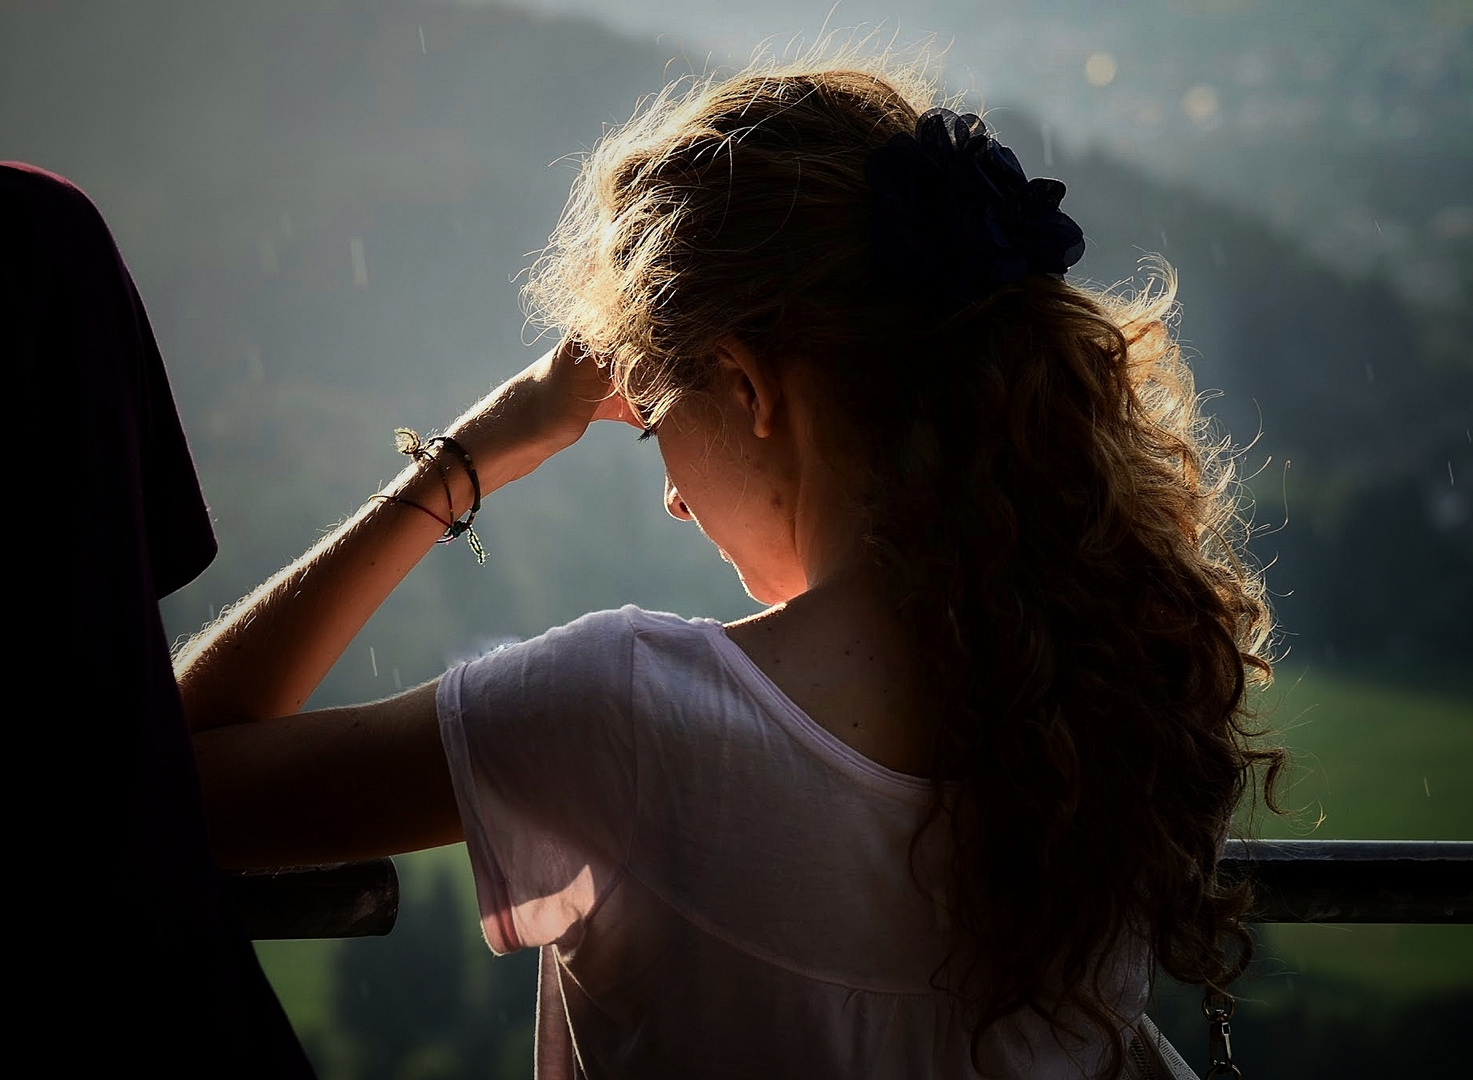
[{"x": 1371, "y": 761}]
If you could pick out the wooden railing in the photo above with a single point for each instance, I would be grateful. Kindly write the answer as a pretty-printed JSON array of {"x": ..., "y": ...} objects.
[
  {"x": 358, "y": 899},
  {"x": 1304, "y": 881},
  {"x": 1356, "y": 881}
]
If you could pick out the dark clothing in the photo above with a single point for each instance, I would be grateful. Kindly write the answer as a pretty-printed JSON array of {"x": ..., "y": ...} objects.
[{"x": 134, "y": 954}]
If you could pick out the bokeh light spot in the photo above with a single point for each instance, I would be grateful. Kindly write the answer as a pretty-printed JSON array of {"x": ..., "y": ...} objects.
[
  {"x": 1100, "y": 69},
  {"x": 1200, "y": 105}
]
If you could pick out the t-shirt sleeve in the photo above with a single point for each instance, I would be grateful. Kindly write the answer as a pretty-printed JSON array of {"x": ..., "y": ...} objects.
[{"x": 538, "y": 738}]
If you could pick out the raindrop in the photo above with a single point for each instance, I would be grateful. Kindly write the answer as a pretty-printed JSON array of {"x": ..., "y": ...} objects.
[
  {"x": 373, "y": 659},
  {"x": 398, "y": 684},
  {"x": 359, "y": 261},
  {"x": 422, "y": 40}
]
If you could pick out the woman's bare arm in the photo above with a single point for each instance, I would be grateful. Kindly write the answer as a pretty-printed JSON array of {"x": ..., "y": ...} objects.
[
  {"x": 370, "y": 779},
  {"x": 329, "y": 786}
]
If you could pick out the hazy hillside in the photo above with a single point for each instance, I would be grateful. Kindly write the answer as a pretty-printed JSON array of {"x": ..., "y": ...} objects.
[
  {"x": 1344, "y": 122},
  {"x": 325, "y": 210}
]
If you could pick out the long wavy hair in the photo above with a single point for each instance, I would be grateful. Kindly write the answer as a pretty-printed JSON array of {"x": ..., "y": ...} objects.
[{"x": 1063, "y": 540}]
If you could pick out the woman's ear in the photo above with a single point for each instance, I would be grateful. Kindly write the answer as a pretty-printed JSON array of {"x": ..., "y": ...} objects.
[{"x": 753, "y": 381}]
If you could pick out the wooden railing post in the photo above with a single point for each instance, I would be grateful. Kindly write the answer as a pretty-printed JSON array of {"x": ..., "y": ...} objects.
[
  {"x": 357, "y": 899},
  {"x": 1356, "y": 881}
]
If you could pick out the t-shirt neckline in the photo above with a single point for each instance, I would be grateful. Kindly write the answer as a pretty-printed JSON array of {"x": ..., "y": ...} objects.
[{"x": 818, "y": 738}]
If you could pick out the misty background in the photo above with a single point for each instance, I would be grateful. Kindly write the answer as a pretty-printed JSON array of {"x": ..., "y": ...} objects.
[{"x": 327, "y": 207}]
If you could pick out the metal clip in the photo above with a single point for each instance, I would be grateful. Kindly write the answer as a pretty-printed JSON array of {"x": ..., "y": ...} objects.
[{"x": 1219, "y": 1008}]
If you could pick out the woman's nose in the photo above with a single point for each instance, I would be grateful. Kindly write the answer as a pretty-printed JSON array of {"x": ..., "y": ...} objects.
[{"x": 674, "y": 504}]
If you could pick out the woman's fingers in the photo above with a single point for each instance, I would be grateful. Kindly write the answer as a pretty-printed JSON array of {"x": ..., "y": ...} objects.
[{"x": 592, "y": 376}]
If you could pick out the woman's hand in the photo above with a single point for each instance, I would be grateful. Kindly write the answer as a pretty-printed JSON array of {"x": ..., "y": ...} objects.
[{"x": 538, "y": 412}]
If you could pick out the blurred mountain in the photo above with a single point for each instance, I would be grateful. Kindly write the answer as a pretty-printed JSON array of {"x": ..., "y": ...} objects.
[
  {"x": 1342, "y": 122},
  {"x": 326, "y": 206}
]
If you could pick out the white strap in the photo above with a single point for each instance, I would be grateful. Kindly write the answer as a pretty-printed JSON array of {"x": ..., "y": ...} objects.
[{"x": 1150, "y": 1057}]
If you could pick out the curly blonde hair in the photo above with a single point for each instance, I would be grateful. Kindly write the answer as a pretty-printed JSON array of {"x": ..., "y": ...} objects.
[{"x": 1063, "y": 539}]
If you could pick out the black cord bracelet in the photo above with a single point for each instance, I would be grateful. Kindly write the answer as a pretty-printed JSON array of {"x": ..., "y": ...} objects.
[
  {"x": 409, "y": 443},
  {"x": 465, "y": 459}
]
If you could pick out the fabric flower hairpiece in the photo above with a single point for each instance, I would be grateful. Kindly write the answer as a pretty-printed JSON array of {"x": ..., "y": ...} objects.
[{"x": 955, "y": 215}]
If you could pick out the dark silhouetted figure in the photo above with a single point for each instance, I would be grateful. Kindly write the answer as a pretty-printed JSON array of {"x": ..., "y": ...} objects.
[{"x": 130, "y": 952}]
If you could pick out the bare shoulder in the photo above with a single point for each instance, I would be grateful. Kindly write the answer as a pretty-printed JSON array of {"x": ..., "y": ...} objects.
[{"x": 847, "y": 665}]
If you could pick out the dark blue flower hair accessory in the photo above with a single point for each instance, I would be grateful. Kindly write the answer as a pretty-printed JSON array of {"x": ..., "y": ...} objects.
[{"x": 956, "y": 216}]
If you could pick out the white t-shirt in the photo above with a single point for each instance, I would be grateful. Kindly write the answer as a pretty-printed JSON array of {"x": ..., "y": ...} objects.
[{"x": 722, "y": 887}]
